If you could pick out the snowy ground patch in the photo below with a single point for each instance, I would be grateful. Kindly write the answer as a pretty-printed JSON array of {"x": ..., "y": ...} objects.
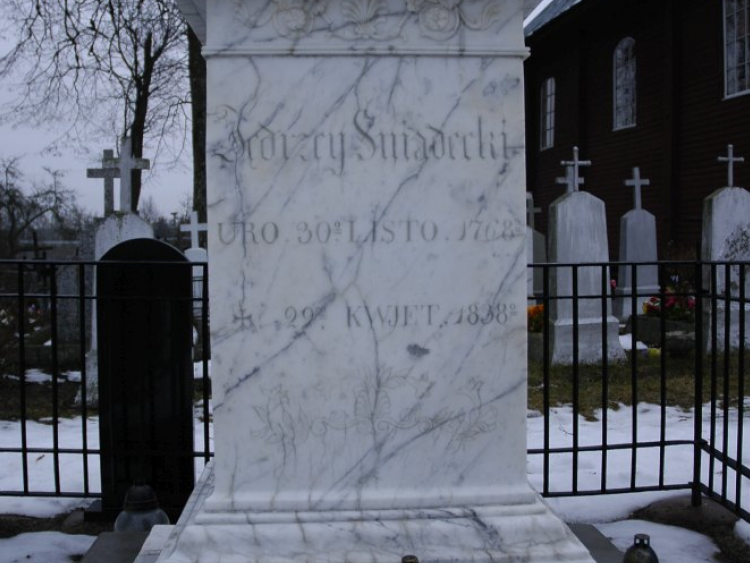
[
  {"x": 671, "y": 544},
  {"x": 607, "y": 512},
  {"x": 44, "y": 547}
]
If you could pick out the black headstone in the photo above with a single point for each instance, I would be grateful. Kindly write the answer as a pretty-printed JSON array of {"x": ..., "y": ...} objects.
[{"x": 145, "y": 372}]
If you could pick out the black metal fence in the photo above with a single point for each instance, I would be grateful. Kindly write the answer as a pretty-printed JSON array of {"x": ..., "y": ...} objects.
[
  {"x": 49, "y": 416},
  {"x": 608, "y": 414},
  {"x": 668, "y": 414}
]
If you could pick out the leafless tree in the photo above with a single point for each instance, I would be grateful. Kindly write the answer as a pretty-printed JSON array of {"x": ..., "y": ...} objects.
[
  {"x": 106, "y": 68},
  {"x": 23, "y": 208}
]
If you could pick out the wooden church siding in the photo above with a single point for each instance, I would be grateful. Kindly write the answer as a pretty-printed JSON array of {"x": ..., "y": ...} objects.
[{"x": 683, "y": 123}]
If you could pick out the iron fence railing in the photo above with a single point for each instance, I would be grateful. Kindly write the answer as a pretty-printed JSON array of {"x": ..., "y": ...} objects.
[
  {"x": 48, "y": 347},
  {"x": 693, "y": 318},
  {"x": 689, "y": 377}
]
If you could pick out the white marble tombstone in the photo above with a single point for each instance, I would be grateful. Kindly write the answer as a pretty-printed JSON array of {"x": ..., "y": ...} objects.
[
  {"x": 116, "y": 228},
  {"x": 578, "y": 234},
  {"x": 366, "y": 233},
  {"x": 536, "y": 250},
  {"x": 726, "y": 237},
  {"x": 637, "y": 245},
  {"x": 196, "y": 254}
]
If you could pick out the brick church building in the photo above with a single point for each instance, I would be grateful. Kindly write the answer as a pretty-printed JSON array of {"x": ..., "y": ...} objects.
[{"x": 659, "y": 84}]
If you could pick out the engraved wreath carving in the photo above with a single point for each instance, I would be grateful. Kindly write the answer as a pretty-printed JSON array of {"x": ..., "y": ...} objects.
[
  {"x": 294, "y": 18},
  {"x": 438, "y": 20},
  {"x": 372, "y": 412}
]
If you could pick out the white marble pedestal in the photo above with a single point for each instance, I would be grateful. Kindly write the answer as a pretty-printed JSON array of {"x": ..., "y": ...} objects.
[
  {"x": 578, "y": 235},
  {"x": 726, "y": 240},
  {"x": 521, "y": 529},
  {"x": 366, "y": 231}
]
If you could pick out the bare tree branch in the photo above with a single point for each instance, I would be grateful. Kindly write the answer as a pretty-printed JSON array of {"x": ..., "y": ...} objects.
[{"x": 105, "y": 68}]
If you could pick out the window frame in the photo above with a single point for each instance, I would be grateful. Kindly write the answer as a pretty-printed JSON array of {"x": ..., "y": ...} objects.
[
  {"x": 548, "y": 104},
  {"x": 622, "y": 80},
  {"x": 744, "y": 89}
]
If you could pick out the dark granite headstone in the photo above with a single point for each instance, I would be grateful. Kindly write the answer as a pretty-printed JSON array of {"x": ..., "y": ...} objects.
[{"x": 145, "y": 372}]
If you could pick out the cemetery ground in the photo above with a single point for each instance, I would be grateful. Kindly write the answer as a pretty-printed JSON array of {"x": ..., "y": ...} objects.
[
  {"x": 677, "y": 389},
  {"x": 35, "y": 529}
]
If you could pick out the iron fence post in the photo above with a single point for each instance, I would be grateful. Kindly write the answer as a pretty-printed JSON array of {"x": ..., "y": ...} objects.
[{"x": 698, "y": 406}]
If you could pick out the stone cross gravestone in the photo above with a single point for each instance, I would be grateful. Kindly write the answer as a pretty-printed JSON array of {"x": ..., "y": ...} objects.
[
  {"x": 573, "y": 179},
  {"x": 145, "y": 373},
  {"x": 582, "y": 328},
  {"x": 109, "y": 171},
  {"x": 194, "y": 228},
  {"x": 197, "y": 254},
  {"x": 128, "y": 165},
  {"x": 637, "y": 245},
  {"x": 726, "y": 238},
  {"x": 117, "y": 227},
  {"x": 366, "y": 234},
  {"x": 536, "y": 250}
]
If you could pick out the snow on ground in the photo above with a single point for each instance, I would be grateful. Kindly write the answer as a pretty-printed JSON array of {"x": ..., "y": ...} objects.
[
  {"x": 37, "y": 376},
  {"x": 671, "y": 545},
  {"x": 608, "y": 513},
  {"x": 742, "y": 531},
  {"x": 44, "y": 547}
]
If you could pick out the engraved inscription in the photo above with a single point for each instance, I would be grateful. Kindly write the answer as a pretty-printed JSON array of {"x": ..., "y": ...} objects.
[
  {"x": 388, "y": 231},
  {"x": 365, "y": 141},
  {"x": 391, "y": 315},
  {"x": 387, "y": 316}
]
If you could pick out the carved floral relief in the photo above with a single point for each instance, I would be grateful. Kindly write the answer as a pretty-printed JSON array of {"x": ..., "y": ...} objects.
[
  {"x": 294, "y": 18},
  {"x": 438, "y": 20}
]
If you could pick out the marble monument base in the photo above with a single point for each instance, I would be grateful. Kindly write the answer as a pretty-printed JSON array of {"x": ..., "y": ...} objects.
[
  {"x": 589, "y": 340},
  {"x": 522, "y": 529}
]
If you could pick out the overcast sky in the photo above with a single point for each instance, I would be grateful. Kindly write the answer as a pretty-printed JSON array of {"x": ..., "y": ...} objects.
[{"x": 168, "y": 188}]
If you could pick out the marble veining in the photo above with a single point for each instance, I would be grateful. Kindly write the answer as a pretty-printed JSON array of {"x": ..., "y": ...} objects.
[
  {"x": 345, "y": 330},
  {"x": 369, "y": 26},
  {"x": 366, "y": 214}
]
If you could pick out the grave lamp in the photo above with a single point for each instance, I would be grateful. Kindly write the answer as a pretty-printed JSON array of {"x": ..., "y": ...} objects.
[
  {"x": 140, "y": 511},
  {"x": 640, "y": 551}
]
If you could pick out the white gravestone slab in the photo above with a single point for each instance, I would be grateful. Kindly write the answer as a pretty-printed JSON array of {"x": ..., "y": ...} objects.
[
  {"x": 726, "y": 237},
  {"x": 109, "y": 171},
  {"x": 578, "y": 234},
  {"x": 366, "y": 233},
  {"x": 194, "y": 228},
  {"x": 116, "y": 228},
  {"x": 637, "y": 244},
  {"x": 196, "y": 254},
  {"x": 128, "y": 164},
  {"x": 536, "y": 250}
]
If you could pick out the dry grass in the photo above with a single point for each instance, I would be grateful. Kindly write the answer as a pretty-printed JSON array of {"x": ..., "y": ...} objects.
[{"x": 636, "y": 381}]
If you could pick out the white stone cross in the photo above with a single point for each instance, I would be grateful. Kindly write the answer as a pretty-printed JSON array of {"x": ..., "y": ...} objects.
[
  {"x": 109, "y": 171},
  {"x": 194, "y": 227},
  {"x": 531, "y": 210},
  {"x": 572, "y": 174},
  {"x": 637, "y": 183},
  {"x": 730, "y": 159},
  {"x": 127, "y": 164},
  {"x": 567, "y": 180}
]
